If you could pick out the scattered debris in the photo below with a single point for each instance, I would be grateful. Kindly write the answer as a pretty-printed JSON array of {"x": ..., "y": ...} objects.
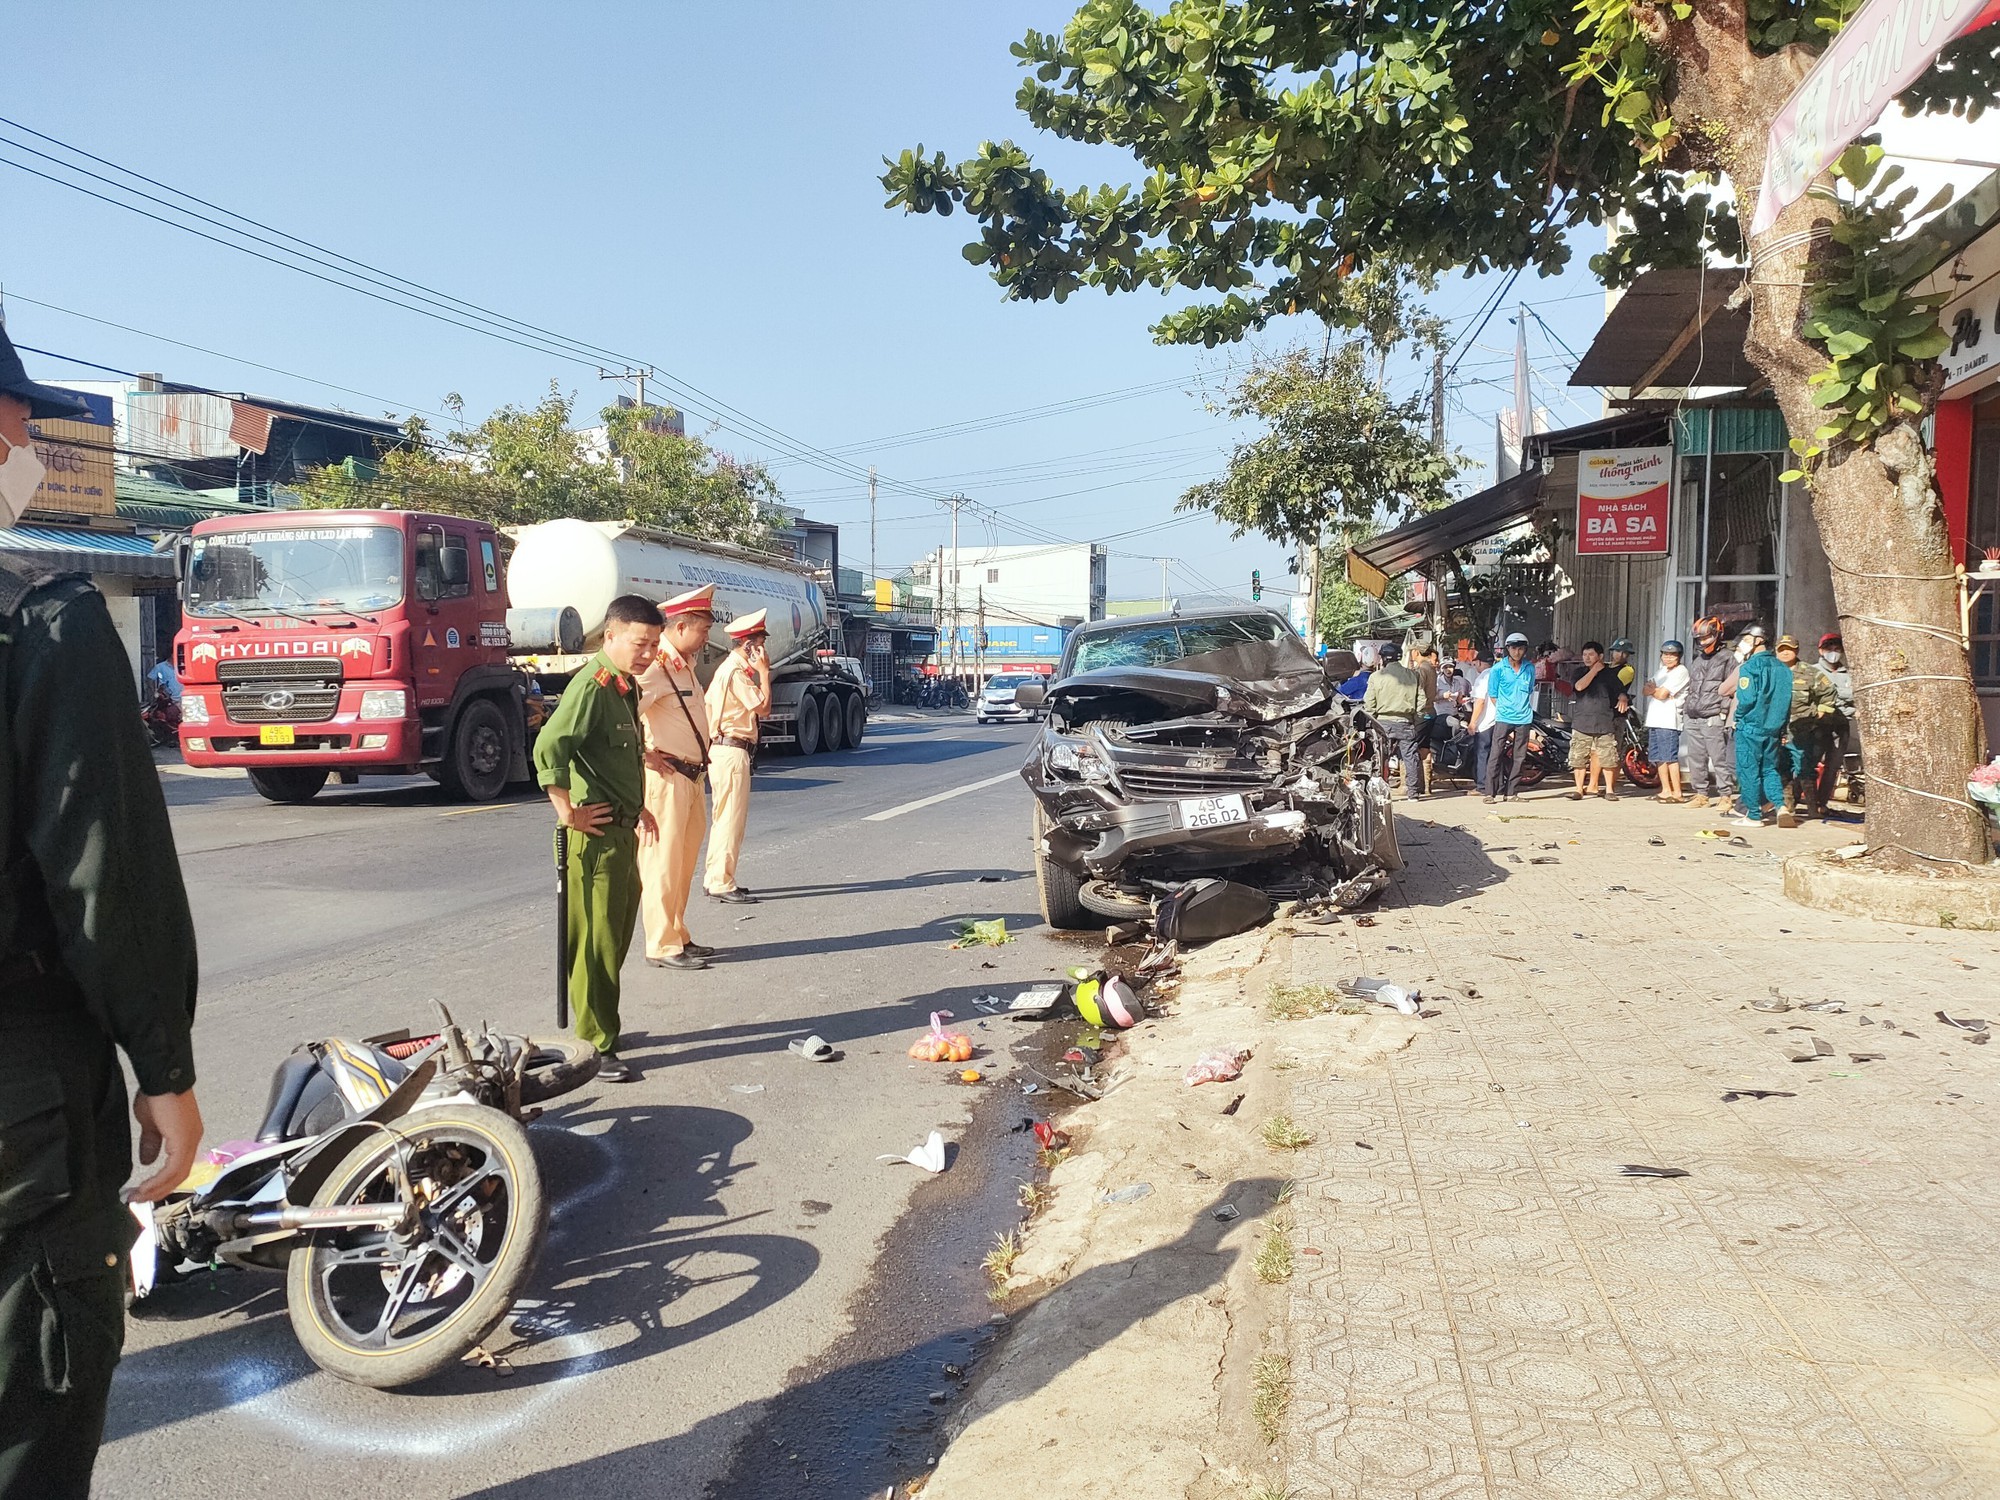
[
  {"x": 1544, "y": 859},
  {"x": 1216, "y": 1067},
  {"x": 991, "y": 879},
  {"x": 1827, "y": 1007},
  {"x": 1107, "y": 1000},
  {"x": 812, "y": 1048},
  {"x": 1634, "y": 1169},
  {"x": 929, "y": 1156},
  {"x": 1364, "y": 921},
  {"x": 1734, "y": 1094},
  {"x": 1774, "y": 1005},
  {"x": 1049, "y": 1137},
  {"x": 1866, "y": 1057},
  {"x": 986, "y": 934},
  {"x": 1228, "y": 1213},
  {"x": 1964, "y": 1023},
  {"x": 1130, "y": 1194},
  {"x": 746, "y": 1088},
  {"x": 1809, "y": 1049},
  {"x": 1233, "y": 1105},
  {"x": 1657, "y": 842},
  {"x": 1087, "y": 1057},
  {"x": 1036, "y": 1003}
]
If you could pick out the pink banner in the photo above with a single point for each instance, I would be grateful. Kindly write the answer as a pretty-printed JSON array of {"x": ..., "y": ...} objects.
[{"x": 1881, "y": 52}]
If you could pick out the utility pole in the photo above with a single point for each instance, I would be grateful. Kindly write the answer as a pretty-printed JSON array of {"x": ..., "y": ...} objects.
[
  {"x": 1163, "y": 561},
  {"x": 873, "y": 576},
  {"x": 1437, "y": 399},
  {"x": 979, "y": 644},
  {"x": 956, "y": 502},
  {"x": 638, "y": 378}
]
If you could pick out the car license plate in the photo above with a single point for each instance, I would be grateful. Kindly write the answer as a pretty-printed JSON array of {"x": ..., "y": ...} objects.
[
  {"x": 1213, "y": 812},
  {"x": 284, "y": 734}
]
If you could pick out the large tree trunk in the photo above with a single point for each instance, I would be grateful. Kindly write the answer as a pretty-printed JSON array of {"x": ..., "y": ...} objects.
[{"x": 1894, "y": 580}]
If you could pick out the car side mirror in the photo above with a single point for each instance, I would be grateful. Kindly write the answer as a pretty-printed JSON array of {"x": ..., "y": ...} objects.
[{"x": 1030, "y": 695}]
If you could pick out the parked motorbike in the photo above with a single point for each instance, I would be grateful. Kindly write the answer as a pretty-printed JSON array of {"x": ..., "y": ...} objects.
[
  {"x": 162, "y": 718},
  {"x": 1632, "y": 757},
  {"x": 392, "y": 1182}
]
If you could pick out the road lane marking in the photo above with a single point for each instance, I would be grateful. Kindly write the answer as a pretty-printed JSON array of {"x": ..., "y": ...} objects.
[
  {"x": 459, "y": 812},
  {"x": 923, "y": 802}
]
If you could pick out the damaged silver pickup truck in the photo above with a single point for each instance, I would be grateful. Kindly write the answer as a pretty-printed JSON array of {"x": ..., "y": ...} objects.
[{"x": 1206, "y": 743}]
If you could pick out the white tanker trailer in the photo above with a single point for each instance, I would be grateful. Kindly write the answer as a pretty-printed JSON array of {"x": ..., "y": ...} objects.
[{"x": 563, "y": 575}]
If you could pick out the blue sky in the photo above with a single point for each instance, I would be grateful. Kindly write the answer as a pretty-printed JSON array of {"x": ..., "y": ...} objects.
[{"x": 691, "y": 185}]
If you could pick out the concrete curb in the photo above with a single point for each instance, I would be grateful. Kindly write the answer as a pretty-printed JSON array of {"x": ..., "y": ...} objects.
[{"x": 1961, "y": 902}]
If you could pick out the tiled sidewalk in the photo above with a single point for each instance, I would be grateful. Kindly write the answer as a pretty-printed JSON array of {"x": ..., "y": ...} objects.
[{"x": 1813, "y": 1313}]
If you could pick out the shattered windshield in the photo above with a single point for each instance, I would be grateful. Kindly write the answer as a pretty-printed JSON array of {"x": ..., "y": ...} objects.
[
  {"x": 295, "y": 568},
  {"x": 1163, "y": 643}
]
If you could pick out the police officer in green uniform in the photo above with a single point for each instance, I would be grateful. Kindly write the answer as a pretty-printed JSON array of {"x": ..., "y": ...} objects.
[
  {"x": 590, "y": 760},
  {"x": 96, "y": 954}
]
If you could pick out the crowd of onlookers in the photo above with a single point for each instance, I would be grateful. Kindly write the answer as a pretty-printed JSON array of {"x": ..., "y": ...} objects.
[{"x": 1740, "y": 724}]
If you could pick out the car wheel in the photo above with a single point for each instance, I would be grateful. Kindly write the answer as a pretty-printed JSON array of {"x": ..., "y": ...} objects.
[
  {"x": 475, "y": 766},
  {"x": 857, "y": 719},
  {"x": 833, "y": 724},
  {"x": 807, "y": 725},
  {"x": 289, "y": 784},
  {"x": 1057, "y": 885}
]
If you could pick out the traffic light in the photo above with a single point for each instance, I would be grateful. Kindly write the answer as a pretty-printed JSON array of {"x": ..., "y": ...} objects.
[{"x": 1256, "y": 583}]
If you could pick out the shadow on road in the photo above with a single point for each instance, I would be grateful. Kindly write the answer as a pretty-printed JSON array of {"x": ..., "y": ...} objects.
[
  {"x": 897, "y": 883},
  {"x": 850, "y": 1432},
  {"x": 938, "y": 931}
]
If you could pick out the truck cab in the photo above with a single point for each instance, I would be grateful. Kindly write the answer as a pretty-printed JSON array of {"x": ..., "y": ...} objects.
[{"x": 343, "y": 642}]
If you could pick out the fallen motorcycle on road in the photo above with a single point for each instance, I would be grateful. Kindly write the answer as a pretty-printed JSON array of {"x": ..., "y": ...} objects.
[{"x": 393, "y": 1184}]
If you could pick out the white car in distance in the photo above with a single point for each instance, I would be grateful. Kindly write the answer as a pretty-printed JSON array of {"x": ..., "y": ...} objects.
[{"x": 996, "y": 705}]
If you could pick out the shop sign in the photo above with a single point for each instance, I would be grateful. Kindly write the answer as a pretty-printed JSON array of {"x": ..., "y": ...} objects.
[
  {"x": 1884, "y": 48},
  {"x": 80, "y": 479},
  {"x": 1973, "y": 320},
  {"x": 1622, "y": 500}
]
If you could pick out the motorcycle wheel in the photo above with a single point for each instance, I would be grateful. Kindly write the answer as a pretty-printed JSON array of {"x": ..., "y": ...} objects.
[
  {"x": 1642, "y": 771},
  {"x": 1533, "y": 769},
  {"x": 379, "y": 1313},
  {"x": 555, "y": 1068}
]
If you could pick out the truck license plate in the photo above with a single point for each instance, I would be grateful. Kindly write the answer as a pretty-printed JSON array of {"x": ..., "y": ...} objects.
[
  {"x": 1213, "y": 812},
  {"x": 284, "y": 734}
]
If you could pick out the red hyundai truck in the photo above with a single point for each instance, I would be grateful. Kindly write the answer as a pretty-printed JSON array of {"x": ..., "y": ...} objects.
[
  {"x": 377, "y": 642},
  {"x": 317, "y": 643}
]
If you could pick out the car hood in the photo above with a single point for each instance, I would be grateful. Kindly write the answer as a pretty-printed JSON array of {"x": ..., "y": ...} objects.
[{"x": 1258, "y": 679}]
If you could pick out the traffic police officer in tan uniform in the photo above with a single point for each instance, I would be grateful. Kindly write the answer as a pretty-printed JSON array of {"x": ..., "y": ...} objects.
[
  {"x": 675, "y": 720},
  {"x": 96, "y": 955},
  {"x": 738, "y": 696},
  {"x": 588, "y": 760}
]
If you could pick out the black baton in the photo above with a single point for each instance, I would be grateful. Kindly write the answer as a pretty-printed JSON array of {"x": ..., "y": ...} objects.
[{"x": 562, "y": 928}]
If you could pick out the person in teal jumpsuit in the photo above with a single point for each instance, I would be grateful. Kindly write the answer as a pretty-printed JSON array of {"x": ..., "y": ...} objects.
[
  {"x": 1763, "y": 705},
  {"x": 590, "y": 761}
]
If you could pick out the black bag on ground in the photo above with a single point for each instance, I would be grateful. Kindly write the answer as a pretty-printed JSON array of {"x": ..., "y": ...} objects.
[{"x": 1203, "y": 910}]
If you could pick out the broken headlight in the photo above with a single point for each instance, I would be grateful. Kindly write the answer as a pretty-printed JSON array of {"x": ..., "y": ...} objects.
[{"x": 1082, "y": 761}]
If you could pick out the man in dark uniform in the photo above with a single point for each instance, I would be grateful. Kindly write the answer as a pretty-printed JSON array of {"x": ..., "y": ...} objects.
[
  {"x": 96, "y": 953},
  {"x": 588, "y": 758}
]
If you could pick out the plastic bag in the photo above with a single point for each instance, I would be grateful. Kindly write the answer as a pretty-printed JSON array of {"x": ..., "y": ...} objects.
[
  {"x": 1216, "y": 1067},
  {"x": 939, "y": 1045}
]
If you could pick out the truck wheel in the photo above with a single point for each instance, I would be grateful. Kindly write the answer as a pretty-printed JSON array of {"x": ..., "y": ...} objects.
[
  {"x": 808, "y": 723},
  {"x": 833, "y": 723},
  {"x": 475, "y": 763},
  {"x": 288, "y": 783},
  {"x": 857, "y": 719},
  {"x": 1058, "y": 886}
]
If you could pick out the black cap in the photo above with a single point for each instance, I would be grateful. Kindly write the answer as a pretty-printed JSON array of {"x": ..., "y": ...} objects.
[{"x": 43, "y": 400}]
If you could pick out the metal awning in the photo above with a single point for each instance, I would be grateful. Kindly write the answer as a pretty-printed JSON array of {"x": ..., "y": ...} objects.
[
  {"x": 77, "y": 548},
  {"x": 1373, "y": 563},
  {"x": 1673, "y": 330}
]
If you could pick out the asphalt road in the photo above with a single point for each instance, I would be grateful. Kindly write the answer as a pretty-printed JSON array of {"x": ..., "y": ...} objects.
[{"x": 713, "y": 1224}]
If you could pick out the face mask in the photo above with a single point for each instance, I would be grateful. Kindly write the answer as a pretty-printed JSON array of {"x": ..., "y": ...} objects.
[
  {"x": 20, "y": 477},
  {"x": 1831, "y": 658}
]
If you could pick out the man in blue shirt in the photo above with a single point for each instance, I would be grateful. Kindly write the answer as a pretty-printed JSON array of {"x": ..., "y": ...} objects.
[{"x": 1511, "y": 687}]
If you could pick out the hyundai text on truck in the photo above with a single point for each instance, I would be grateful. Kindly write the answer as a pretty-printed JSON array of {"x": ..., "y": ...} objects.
[{"x": 374, "y": 642}]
